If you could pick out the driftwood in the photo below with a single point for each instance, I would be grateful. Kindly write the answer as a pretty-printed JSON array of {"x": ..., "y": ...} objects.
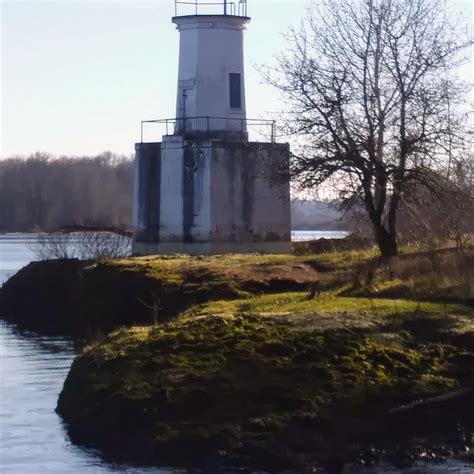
[{"x": 426, "y": 402}]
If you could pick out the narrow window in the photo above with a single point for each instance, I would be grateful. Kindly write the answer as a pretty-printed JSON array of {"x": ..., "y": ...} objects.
[{"x": 235, "y": 95}]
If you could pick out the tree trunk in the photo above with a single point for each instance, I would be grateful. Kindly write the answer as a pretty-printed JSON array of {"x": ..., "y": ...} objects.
[{"x": 386, "y": 241}]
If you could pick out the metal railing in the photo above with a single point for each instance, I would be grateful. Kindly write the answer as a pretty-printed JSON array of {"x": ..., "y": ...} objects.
[
  {"x": 197, "y": 7},
  {"x": 264, "y": 129}
]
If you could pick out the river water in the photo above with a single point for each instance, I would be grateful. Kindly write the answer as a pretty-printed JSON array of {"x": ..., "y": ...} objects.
[{"x": 32, "y": 371}]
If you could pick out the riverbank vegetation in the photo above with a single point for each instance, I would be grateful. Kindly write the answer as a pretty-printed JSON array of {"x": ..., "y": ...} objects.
[
  {"x": 265, "y": 392},
  {"x": 258, "y": 369},
  {"x": 81, "y": 298},
  {"x": 267, "y": 361}
]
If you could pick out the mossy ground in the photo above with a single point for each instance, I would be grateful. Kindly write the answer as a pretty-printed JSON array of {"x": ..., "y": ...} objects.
[
  {"x": 82, "y": 298},
  {"x": 251, "y": 358},
  {"x": 294, "y": 304},
  {"x": 253, "y": 382}
]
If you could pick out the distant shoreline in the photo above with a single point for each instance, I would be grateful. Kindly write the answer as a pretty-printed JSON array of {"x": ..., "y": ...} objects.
[{"x": 325, "y": 231}]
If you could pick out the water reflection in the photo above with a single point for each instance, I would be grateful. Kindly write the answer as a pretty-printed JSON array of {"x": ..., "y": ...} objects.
[
  {"x": 32, "y": 437},
  {"x": 16, "y": 251},
  {"x": 32, "y": 371}
]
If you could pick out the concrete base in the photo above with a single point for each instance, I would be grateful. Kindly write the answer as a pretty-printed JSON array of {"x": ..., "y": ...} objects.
[
  {"x": 211, "y": 196},
  {"x": 198, "y": 248}
]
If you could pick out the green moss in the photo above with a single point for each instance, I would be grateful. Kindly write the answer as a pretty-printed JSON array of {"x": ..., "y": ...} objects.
[
  {"x": 241, "y": 360},
  {"x": 219, "y": 382},
  {"x": 344, "y": 260},
  {"x": 328, "y": 310},
  {"x": 160, "y": 287}
]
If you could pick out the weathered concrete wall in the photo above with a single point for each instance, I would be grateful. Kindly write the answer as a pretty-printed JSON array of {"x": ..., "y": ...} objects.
[
  {"x": 185, "y": 186},
  {"x": 249, "y": 200},
  {"x": 171, "y": 211},
  {"x": 217, "y": 196},
  {"x": 201, "y": 225},
  {"x": 147, "y": 192},
  {"x": 199, "y": 248}
]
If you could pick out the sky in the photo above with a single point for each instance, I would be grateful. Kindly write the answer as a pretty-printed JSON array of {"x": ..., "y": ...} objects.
[{"x": 77, "y": 77}]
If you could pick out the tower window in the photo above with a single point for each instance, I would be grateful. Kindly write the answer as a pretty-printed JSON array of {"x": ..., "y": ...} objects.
[{"x": 235, "y": 91}]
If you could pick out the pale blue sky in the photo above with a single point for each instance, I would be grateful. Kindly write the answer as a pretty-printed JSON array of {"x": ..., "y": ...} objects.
[{"x": 77, "y": 77}]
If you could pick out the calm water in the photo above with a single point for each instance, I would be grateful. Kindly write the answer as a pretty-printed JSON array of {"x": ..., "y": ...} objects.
[
  {"x": 32, "y": 371},
  {"x": 303, "y": 235}
]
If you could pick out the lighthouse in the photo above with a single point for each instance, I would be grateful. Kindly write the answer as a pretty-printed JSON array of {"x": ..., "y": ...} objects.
[{"x": 206, "y": 186}]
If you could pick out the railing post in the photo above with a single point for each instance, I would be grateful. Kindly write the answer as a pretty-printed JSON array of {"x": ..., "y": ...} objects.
[
  {"x": 141, "y": 132},
  {"x": 273, "y": 131},
  {"x": 207, "y": 124},
  {"x": 196, "y": 7}
]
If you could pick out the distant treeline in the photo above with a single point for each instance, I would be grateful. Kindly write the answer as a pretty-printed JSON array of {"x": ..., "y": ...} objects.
[
  {"x": 41, "y": 192},
  {"x": 318, "y": 215}
]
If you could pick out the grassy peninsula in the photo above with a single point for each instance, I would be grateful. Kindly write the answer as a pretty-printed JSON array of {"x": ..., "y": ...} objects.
[{"x": 263, "y": 361}]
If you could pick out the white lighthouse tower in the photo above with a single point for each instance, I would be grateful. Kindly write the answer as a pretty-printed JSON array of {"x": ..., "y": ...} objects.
[
  {"x": 205, "y": 188},
  {"x": 211, "y": 71}
]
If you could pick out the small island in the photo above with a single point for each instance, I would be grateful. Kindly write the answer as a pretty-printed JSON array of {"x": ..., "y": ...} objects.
[
  {"x": 262, "y": 361},
  {"x": 222, "y": 345}
]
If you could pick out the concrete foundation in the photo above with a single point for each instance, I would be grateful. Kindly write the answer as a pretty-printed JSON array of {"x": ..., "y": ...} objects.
[
  {"x": 211, "y": 196},
  {"x": 210, "y": 248}
]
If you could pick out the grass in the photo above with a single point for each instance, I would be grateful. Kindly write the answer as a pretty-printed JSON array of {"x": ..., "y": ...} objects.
[
  {"x": 340, "y": 260},
  {"x": 444, "y": 276},
  {"x": 298, "y": 303},
  {"x": 158, "y": 288},
  {"x": 330, "y": 311},
  {"x": 249, "y": 364}
]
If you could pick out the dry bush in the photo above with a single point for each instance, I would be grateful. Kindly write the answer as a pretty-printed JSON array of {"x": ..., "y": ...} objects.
[
  {"x": 434, "y": 219},
  {"x": 434, "y": 274},
  {"x": 82, "y": 245}
]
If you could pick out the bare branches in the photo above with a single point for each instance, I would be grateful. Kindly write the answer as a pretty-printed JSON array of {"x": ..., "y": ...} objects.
[
  {"x": 372, "y": 101},
  {"x": 82, "y": 245}
]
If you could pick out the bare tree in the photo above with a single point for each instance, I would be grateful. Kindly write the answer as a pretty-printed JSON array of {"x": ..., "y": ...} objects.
[
  {"x": 442, "y": 213},
  {"x": 373, "y": 103}
]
